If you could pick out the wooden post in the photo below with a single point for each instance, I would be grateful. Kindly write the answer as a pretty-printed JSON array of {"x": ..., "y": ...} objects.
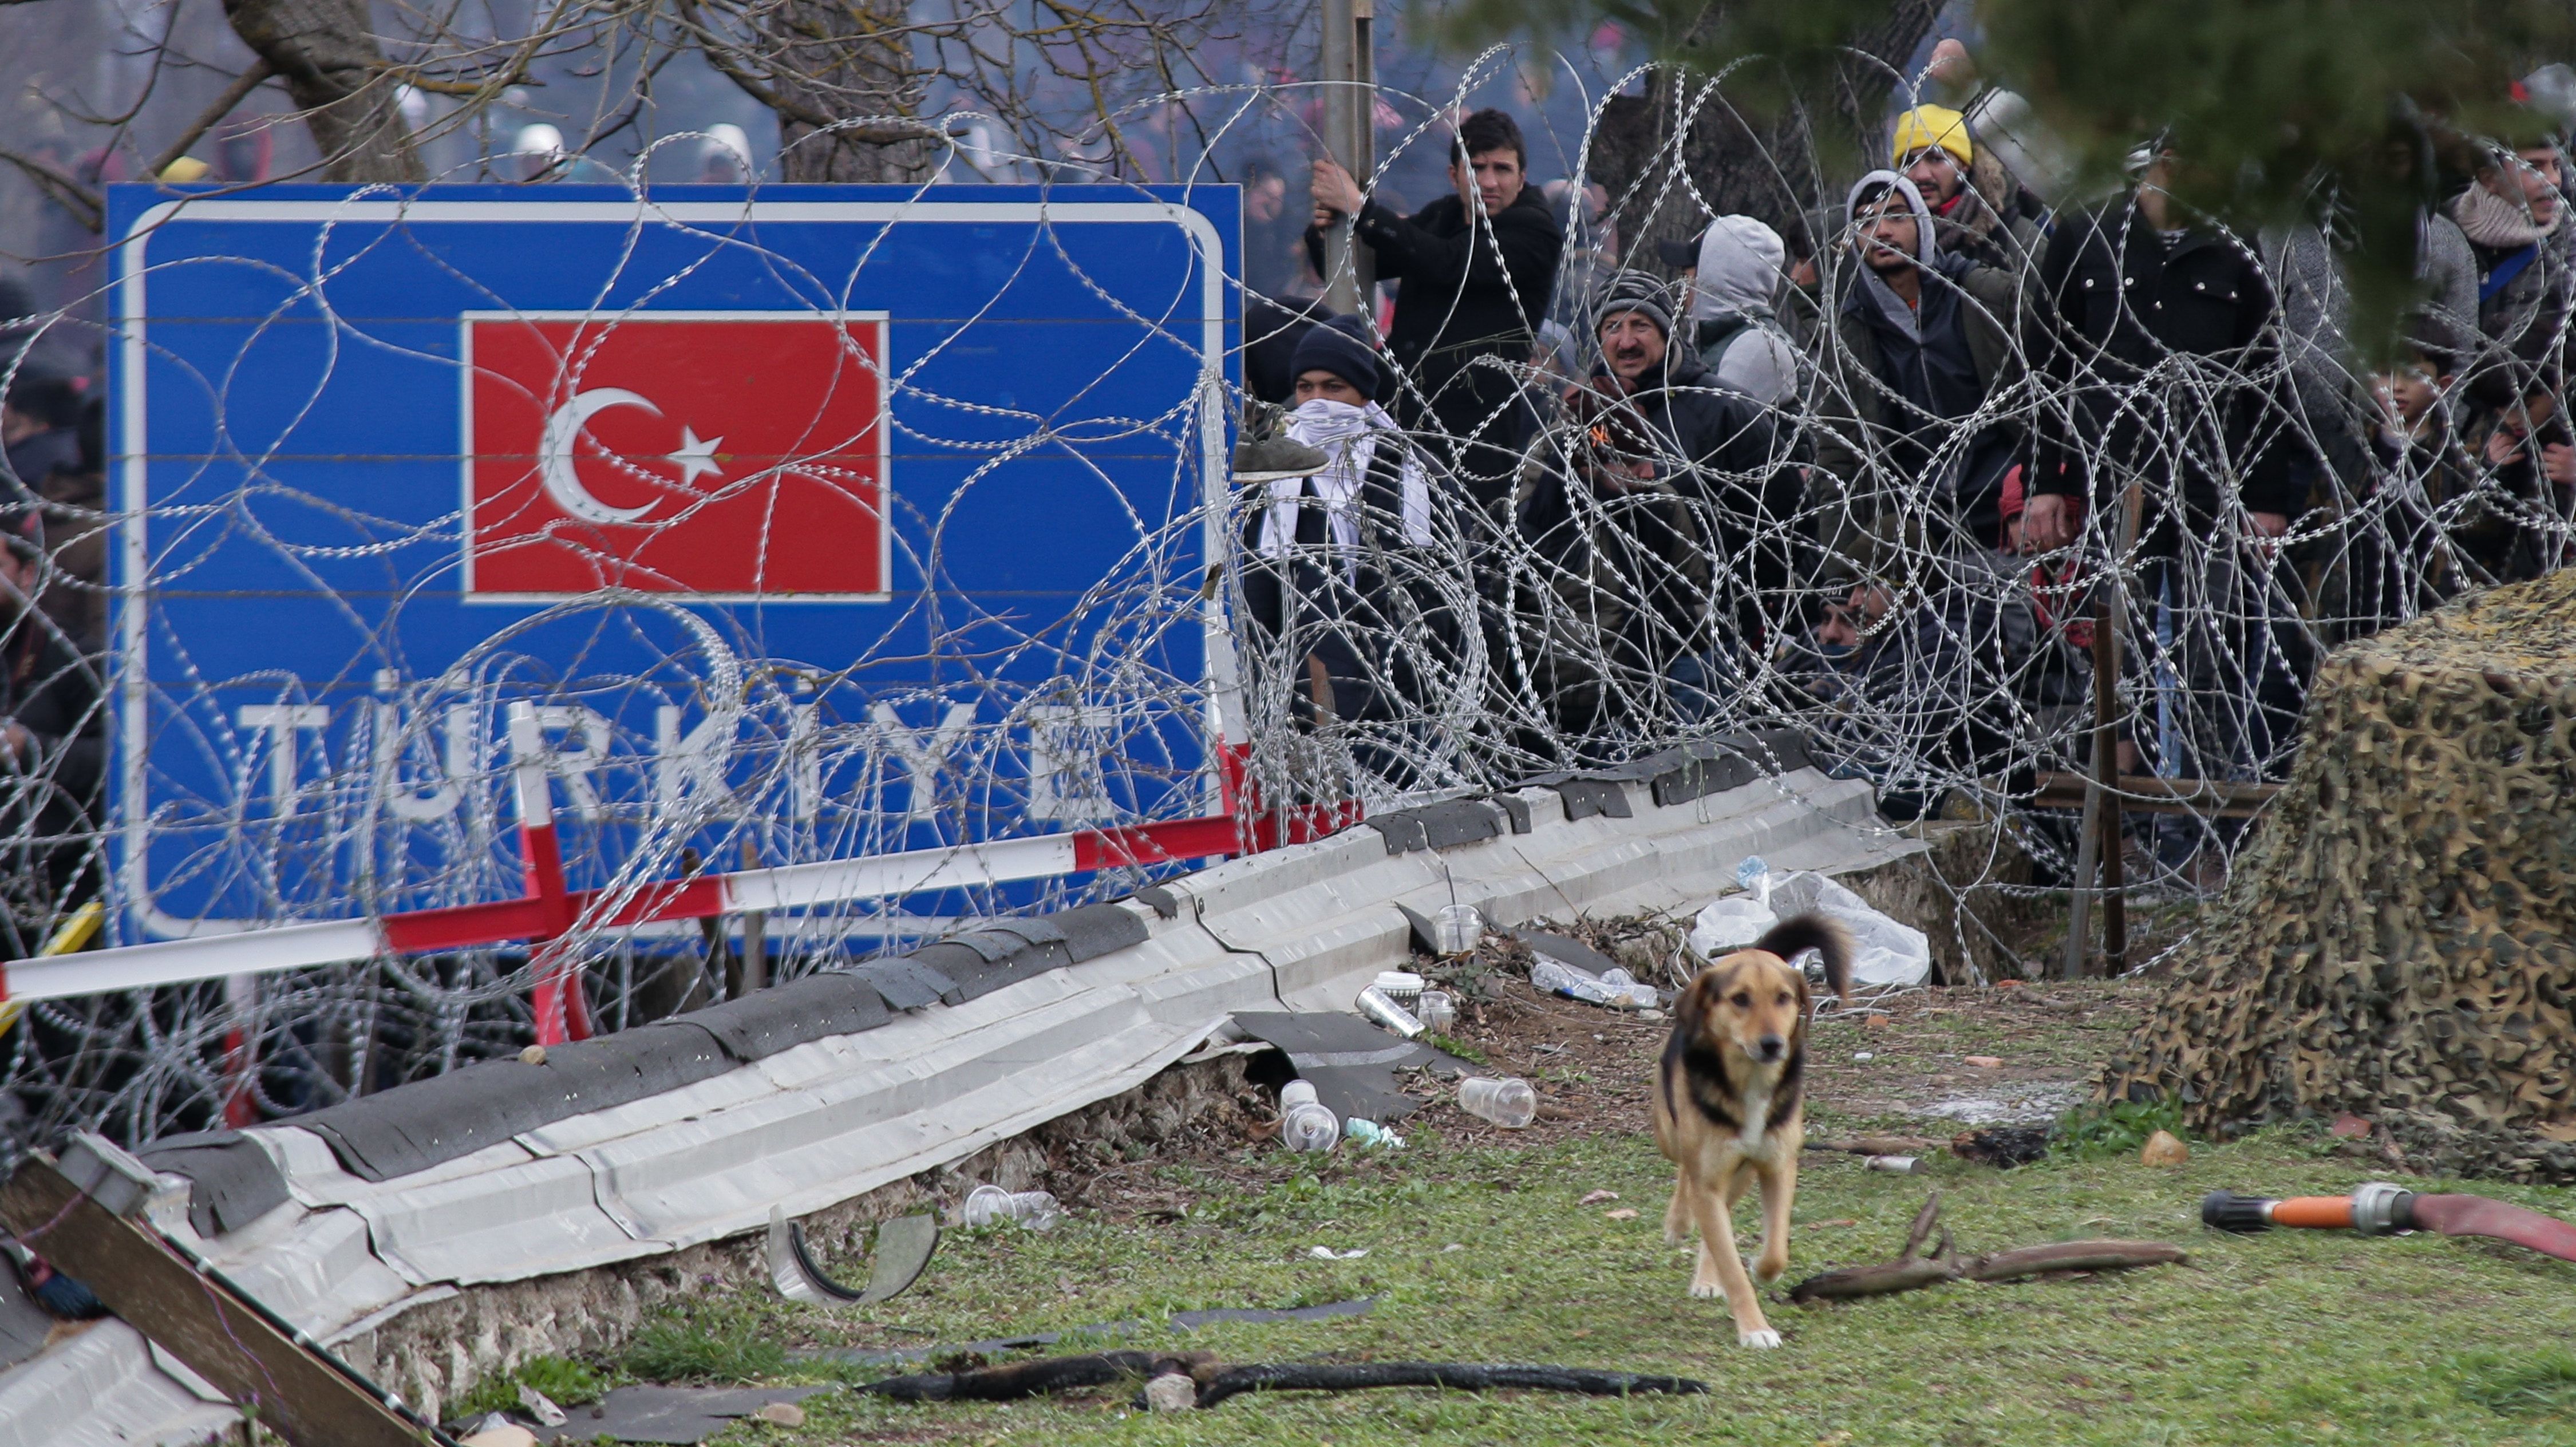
[
  {"x": 2103, "y": 829},
  {"x": 755, "y": 945},
  {"x": 1350, "y": 118},
  {"x": 301, "y": 1392}
]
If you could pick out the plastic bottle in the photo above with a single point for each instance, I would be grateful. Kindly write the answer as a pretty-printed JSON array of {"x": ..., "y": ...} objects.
[
  {"x": 1306, "y": 1124},
  {"x": 1036, "y": 1210},
  {"x": 1436, "y": 1010},
  {"x": 1510, "y": 1104},
  {"x": 1559, "y": 978},
  {"x": 1626, "y": 991}
]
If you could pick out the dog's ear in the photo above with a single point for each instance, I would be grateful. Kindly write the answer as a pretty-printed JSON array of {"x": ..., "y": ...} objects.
[{"x": 1691, "y": 1008}]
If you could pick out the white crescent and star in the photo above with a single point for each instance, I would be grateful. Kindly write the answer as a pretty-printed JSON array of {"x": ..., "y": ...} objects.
[{"x": 555, "y": 469}]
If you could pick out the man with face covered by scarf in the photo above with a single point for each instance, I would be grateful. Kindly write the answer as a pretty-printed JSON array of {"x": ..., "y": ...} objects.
[{"x": 1333, "y": 580}]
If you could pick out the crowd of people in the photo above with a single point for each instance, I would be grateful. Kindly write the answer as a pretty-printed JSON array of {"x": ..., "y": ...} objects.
[
  {"x": 53, "y": 625},
  {"x": 1872, "y": 467}
]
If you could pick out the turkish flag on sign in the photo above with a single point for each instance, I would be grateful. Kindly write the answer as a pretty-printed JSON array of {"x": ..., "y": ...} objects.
[{"x": 736, "y": 455}]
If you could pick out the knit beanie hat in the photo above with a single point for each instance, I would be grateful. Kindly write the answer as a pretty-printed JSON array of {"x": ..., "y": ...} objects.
[
  {"x": 1634, "y": 291},
  {"x": 1340, "y": 346},
  {"x": 1924, "y": 127}
]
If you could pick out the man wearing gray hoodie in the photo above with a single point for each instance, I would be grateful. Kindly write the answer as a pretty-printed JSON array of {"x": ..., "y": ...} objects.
[
  {"x": 1917, "y": 422},
  {"x": 1737, "y": 267},
  {"x": 1921, "y": 348}
]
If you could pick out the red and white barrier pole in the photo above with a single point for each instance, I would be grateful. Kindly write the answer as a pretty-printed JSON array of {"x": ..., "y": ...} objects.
[{"x": 551, "y": 915}]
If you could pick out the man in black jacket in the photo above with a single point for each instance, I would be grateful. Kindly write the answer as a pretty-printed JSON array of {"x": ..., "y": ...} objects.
[
  {"x": 1476, "y": 269},
  {"x": 1655, "y": 534},
  {"x": 2166, "y": 373}
]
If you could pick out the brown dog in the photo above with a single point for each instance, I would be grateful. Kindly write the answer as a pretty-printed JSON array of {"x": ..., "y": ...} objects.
[{"x": 1729, "y": 1111}]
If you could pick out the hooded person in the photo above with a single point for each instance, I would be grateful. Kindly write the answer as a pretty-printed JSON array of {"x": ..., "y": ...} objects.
[
  {"x": 1923, "y": 347},
  {"x": 1333, "y": 559},
  {"x": 1738, "y": 266},
  {"x": 1917, "y": 423},
  {"x": 1978, "y": 209}
]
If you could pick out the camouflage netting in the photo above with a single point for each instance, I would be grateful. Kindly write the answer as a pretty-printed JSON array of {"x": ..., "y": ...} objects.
[{"x": 2397, "y": 944}]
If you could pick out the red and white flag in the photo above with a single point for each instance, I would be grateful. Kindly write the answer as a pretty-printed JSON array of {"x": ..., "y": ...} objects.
[{"x": 726, "y": 455}]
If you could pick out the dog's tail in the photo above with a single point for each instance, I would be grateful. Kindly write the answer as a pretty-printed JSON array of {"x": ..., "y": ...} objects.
[{"x": 1793, "y": 937}]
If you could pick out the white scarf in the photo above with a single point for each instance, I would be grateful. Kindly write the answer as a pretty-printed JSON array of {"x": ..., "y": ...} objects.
[
  {"x": 1349, "y": 435},
  {"x": 2500, "y": 222}
]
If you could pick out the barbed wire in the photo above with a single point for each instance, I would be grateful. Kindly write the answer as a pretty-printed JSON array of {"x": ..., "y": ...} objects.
[{"x": 1604, "y": 559}]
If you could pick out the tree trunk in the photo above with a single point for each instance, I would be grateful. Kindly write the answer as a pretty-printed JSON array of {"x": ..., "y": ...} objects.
[
  {"x": 845, "y": 60},
  {"x": 337, "y": 77},
  {"x": 1773, "y": 163},
  {"x": 2399, "y": 943}
]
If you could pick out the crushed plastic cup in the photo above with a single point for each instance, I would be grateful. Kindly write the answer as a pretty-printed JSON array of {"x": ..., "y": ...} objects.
[
  {"x": 1456, "y": 928},
  {"x": 1305, "y": 1124},
  {"x": 1753, "y": 876},
  {"x": 1510, "y": 1104},
  {"x": 1035, "y": 1210},
  {"x": 1437, "y": 1011},
  {"x": 1360, "y": 1132}
]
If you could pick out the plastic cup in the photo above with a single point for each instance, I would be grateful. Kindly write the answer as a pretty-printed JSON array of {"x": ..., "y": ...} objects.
[
  {"x": 1456, "y": 928},
  {"x": 1510, "y": 1104},
  {"x": 1436, "y": 1010},
  {"x": 1374, "y": 1004},
  {"x": 1296, "y": 1093},
  {"x": 986, "y": 1205},
  {"x": 1036, "y": 1210},
  {"x": 1309, "y": 1128}
]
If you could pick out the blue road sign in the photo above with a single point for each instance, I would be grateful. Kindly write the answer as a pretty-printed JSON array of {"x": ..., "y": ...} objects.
[{"x": 839, "y": 519}]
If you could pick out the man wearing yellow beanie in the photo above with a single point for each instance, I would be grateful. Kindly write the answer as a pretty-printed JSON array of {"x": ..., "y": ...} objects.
[{"x": 1978, "y": 210}]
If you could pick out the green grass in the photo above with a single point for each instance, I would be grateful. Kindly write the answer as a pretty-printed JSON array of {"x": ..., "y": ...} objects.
[
  {"x": 564, "y": 1382},
  {"x": 2101, "y": 1132},
  {"x": 2282, "y": 1338},
  {"x": 712, "y": 1345}
]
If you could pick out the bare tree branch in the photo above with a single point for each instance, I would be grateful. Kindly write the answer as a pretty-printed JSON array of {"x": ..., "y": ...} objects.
[{"x": 234, "y": 94}]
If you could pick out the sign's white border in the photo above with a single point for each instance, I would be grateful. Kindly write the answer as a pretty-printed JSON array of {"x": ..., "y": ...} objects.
[{"x": 133, "y": 315}]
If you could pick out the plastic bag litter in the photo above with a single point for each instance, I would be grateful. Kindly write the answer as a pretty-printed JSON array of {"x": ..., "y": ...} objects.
[
  {"x": 1738, "y": 920},
  {"x": 1885, "y": 954},
  {"x": 1729, "y": 925}
]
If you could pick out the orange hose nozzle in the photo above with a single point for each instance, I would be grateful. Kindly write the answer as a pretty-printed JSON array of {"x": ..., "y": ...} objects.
[{"x": 2328, "y": 1212}]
